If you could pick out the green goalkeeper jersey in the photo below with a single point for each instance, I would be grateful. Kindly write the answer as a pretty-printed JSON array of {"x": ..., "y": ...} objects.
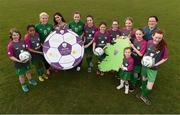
[
  {"x": 43, "y": 30},
  {"x": 77, "y": 27}
]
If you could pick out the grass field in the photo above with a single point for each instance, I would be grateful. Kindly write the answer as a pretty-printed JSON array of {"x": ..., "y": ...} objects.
[{"x": 72, "y": 92}]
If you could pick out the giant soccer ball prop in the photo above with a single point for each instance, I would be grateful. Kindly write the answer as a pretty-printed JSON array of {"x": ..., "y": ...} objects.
[
  {"x": 148, "y": 61},
  {"x": 63, "y": 49}
]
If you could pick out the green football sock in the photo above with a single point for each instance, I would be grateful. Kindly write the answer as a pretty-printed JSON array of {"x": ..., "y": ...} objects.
[
  {"x": 134, "y": 81},
  {"x": 89, "y": 60},
  {"x": 145, "y": 91},
  {"x": 143, "y": 84},
  {"x": 39, "y": 68},
  {"x": 39, "y": 71}
]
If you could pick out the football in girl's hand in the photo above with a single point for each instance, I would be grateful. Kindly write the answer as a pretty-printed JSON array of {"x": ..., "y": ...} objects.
[
  {"x": 25, "y": 56},
  {"x": 98, "y": 51}
]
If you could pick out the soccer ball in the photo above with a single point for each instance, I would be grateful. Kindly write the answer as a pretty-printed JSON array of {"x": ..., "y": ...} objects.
[
  {"x": 98, "y": 51},
  {"x": 148, "y": 61},
  {"x": 24, "y": 56},
  {"x": 63, "y": 49}
]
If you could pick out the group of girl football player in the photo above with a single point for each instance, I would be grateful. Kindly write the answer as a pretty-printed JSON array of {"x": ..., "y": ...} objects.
[{"x": 148, "y": 41}]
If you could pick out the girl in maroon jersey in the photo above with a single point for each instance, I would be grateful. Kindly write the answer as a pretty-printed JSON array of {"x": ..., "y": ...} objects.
[
  {"x": 14, "y": 48},
  {"x": 129, "y": 30},
  {"x": 157, "y": 50},
  {"x": 89, "y": 32},
  {"x": 138, "y": 49},
  {"x": 126, "y": 71},
  {"x": 114, "y": 32},
  {"x": 101, "y": 37}
]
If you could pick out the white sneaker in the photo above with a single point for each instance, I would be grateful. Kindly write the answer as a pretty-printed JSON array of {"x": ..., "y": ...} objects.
[
  {"x": 126, "y": 89},
  {"x": 78, "y": 68},
  {"x": 121, "y": 85}
]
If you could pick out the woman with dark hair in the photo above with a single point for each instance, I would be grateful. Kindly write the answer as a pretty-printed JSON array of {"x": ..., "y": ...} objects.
[{"x": 59, "y": 22}]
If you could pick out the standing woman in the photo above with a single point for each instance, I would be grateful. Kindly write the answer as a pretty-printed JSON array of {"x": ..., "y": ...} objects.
[
  {"x": 157, "y": 49},
  {"x": 101, "y": 37},
  {"x": 78, "y": 27},
  {"x": 114, "y": 32},
  {"x": 59, "y": 22},
  {"x": 151, "y": 27},
  {"x": 89, "y": 31},
  {"x": 43, "y": 28},
  {"x": 128, "y": 30}
]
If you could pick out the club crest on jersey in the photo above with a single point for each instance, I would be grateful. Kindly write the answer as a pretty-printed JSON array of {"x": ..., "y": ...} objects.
[
  {"x": 72, "y": 26},
  {"x": 151, "y": 54},
  {"x": 157, "y": 52},
  {"x": 45, "y": 32},
  {"x": 62, "y": 31},
  {"x": 49, "y": 29},
  {"x": 149, "y": 48},
  {"x": 76, "y": 29}
]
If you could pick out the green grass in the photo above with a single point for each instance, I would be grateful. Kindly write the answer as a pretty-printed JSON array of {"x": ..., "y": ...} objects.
[{"x": 72, "y": 92}]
